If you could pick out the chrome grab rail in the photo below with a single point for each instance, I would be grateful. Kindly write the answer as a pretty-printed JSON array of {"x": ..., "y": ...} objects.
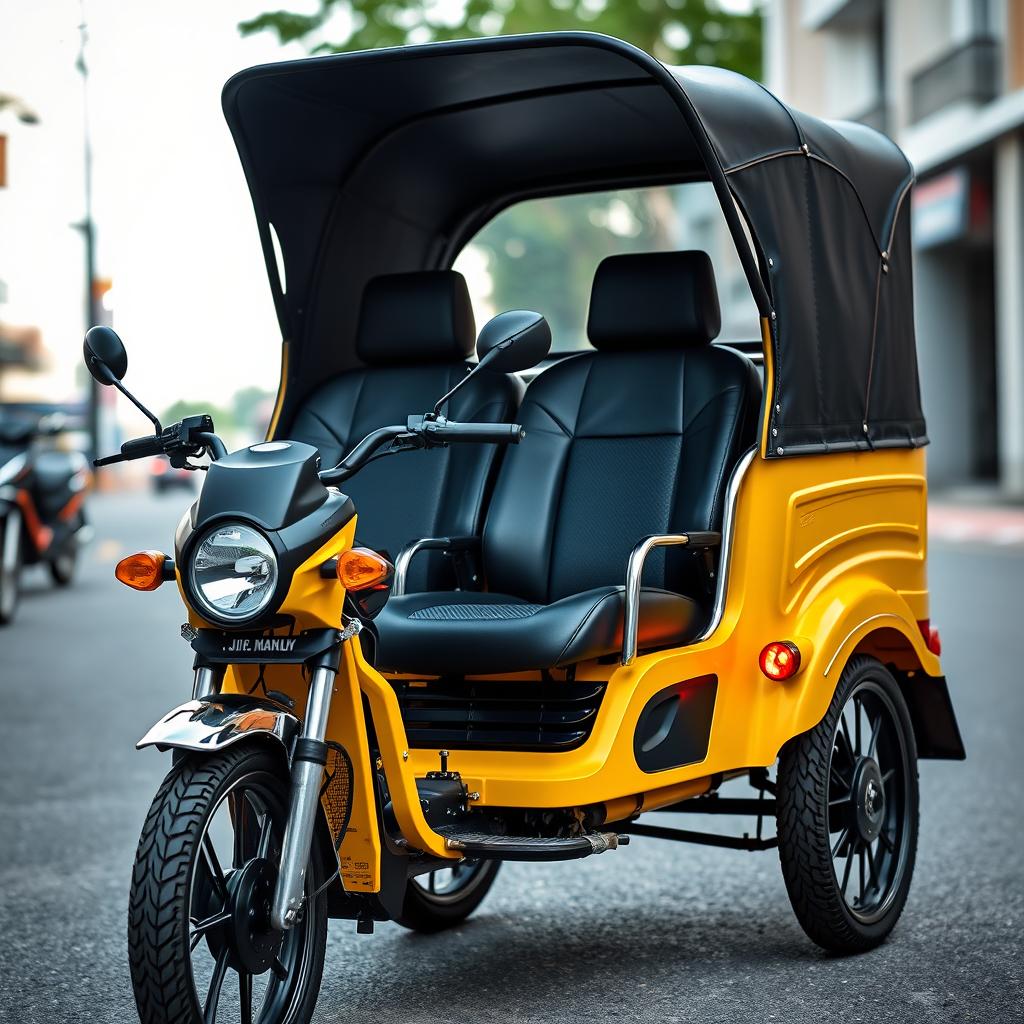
[
  {"x": 413, "y": 548},
  {"x": 634, "y": 572},
  {"x": 728, "y": 536}
]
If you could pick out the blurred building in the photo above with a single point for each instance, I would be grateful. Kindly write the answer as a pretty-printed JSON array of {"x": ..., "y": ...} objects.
[{"x": 944, "y": 78}]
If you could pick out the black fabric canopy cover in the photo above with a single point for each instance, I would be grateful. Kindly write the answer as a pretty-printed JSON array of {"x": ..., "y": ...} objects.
[{"x": 390, "y": 160}]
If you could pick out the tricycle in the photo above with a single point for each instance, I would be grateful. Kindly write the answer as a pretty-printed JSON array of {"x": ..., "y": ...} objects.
[{"x": 440, "y": 621}]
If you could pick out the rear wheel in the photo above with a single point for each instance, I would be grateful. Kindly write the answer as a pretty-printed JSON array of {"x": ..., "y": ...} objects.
[
  {"x": 200, "y": 943},
  {"x": 848, "y": 813},
  {"x": 446, "y": 897},
  {"x": 10, "y": 565}
]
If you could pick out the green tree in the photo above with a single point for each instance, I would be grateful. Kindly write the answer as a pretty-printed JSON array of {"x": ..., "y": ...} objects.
[{"x": 675, "y": 31}]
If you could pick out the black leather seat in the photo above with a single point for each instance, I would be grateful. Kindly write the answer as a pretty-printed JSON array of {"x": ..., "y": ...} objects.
[
  {"x": 633, "y": 439},
  {"x": 414, "y": 336}
]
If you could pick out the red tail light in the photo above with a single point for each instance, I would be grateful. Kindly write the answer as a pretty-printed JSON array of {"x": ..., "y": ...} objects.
[
  {"x": 780, "y": 660},
  {"x": 932, "y": 640}
]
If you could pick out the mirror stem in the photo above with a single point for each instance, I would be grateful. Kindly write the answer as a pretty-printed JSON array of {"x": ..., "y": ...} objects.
[
  {"x": 138, "y": 405},
  {"x": 444, "y": 398}
]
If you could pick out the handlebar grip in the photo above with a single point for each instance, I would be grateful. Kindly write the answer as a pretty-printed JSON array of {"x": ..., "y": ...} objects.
[
  {"x": 140, "y": 447},
  {"x": 494, "y": 433}
]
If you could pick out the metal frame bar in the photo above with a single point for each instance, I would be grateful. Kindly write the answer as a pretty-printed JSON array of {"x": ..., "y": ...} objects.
[
  {"x": 413, "y": 548},
  {"x": 681, "y": 835},
  {"x": 728, "y": 536},
  {"x": 634, "y": 575}
]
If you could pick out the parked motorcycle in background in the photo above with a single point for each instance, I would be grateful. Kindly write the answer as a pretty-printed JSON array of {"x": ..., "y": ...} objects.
[{"x": 42, "y": 504}]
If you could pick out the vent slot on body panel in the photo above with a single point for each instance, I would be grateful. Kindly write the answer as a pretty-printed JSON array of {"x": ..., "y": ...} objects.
[{"x": 502, "y": 715}]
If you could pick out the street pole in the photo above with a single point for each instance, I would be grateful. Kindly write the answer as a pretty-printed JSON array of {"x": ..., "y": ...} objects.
[{"x": 88, "y": 229}]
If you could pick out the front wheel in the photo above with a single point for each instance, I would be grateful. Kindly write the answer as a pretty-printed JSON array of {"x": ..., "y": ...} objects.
[
  {"x": 10, "y": 565},
  {"x": 200, "y": 944},
  {"x": 848, "y": 813}
]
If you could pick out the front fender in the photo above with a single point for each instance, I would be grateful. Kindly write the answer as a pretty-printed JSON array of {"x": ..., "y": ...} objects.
[{"x": 217, "y": 722}]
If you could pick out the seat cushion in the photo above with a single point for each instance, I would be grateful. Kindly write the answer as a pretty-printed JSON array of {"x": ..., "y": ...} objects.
[{"x": 467, "y": 633}]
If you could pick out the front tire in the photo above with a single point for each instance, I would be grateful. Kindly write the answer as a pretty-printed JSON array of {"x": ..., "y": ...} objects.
[
  {"x": 10, "y": 565},
  {"x": 199, "y": 937},
  {"x": 446, "y": 897},
  {"x": 848, "y": 813},
  {"x": 62, "y": 568}
]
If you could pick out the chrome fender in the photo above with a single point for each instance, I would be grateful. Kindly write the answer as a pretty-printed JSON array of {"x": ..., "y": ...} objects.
[{"x": 213, "y": 723}]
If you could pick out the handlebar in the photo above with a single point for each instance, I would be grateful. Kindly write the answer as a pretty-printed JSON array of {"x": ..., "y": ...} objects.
[
  {"x": 179, "y": 441},
  {"x": 495, "y": 433},
  {"x": 420, "y": 432}
]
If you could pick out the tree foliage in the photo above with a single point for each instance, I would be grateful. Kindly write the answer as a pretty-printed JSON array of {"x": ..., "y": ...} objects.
[{"x": 675, "y": 31}]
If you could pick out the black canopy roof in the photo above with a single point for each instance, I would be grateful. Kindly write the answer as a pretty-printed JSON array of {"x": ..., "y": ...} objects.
[{"x": 390, "y": 160}]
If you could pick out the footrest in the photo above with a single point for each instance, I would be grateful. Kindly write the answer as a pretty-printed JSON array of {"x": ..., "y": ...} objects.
[{"x": 485, "y": 846}]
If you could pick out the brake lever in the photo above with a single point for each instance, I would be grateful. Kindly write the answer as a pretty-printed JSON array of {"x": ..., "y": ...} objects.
[{"x": 109, "y": 460}]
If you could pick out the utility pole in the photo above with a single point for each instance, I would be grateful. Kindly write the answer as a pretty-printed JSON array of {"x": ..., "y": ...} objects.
[{"x": 88, "y": 230}]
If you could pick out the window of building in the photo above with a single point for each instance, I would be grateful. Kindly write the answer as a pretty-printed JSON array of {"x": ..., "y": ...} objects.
[{"x": 541, "y": 254}]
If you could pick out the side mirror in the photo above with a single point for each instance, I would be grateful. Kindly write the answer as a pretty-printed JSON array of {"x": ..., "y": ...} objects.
[
  {"x": 513, "y": 341},
  {"x": 105, "y": 357}
]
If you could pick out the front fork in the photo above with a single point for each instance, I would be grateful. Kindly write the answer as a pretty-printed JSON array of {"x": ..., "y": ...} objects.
[{"x": 308, "y": 762}]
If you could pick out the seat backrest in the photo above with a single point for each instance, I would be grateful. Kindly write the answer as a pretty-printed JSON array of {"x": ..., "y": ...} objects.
[
  {"x": 635, "y": 438},
  {"x": 414, "y": 336}
]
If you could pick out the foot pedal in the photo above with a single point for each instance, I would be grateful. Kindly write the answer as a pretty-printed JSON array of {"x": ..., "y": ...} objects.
[{"x": 485, "y": 846}]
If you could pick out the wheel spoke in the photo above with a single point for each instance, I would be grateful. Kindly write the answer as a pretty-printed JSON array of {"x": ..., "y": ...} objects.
[
  {"x": 213, "y": 866},
  {"x": 240, "y": 813},
  {"x": 266, "y": 832},
  {"x": 886, "y": 776},
  {"x": 860, "y": 868},
  {"x": 279, "y": 968},
  {"x": 432, "y": 882},
  {"x": 886, "y": 840},
  {"x": 837, "y": 801},
  {"x": 200, "y": 928},
  {"x": 845, "y": 730},
  {"x": 871, "y": 867},
  {"x": 213, "y": 995},
  {"x": 245, "y": 997},
  {"x": 846, "y": 872},
  {"x": 838, "y": 779},
  {"x": 843, "y": 837},
  {"x": 856, "y": 724},
  {"x": 876, "y": 728}
]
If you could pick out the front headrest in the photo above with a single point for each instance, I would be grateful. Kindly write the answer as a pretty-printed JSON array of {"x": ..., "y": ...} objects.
[
  {"x": 423, "y": 317},
  {"x": 654, "y": 300}
]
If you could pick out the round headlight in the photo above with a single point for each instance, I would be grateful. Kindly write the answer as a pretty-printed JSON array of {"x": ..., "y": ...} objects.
[{"x": 233, "y": 572}]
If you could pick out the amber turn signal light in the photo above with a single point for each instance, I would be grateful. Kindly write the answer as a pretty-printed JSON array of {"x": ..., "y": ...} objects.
[
  {"x": 780, "y": 660},
  {"x": 363, "y": 569},
  {"x": 142, "y": 571}
]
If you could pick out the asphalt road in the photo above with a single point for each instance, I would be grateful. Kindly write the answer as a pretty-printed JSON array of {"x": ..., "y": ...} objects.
[{"x": 656, "y": 932}]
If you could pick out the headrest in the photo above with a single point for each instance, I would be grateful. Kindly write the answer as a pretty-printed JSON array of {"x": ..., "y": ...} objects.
[
  {"x": 423, "y": 317},
  {"x": 654, "y": 300}
]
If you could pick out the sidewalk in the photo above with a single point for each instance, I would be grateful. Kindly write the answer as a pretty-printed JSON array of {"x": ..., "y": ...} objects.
[{"x": 964, "y": 523}]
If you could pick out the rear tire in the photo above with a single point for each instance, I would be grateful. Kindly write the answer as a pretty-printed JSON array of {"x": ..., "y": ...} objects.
[
  {"x": 179, "y": 889},
  {"x": 442, "y": 899},
  {"x": 10, "y": 565},
  {"x": 848, "y": 813}
]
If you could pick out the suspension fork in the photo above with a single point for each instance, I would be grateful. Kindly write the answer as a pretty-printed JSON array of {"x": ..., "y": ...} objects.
[{"x": 308, "y": 761}]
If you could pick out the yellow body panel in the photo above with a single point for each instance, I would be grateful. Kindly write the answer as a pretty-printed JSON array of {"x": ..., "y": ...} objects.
[{"x": 828, "y": 551}]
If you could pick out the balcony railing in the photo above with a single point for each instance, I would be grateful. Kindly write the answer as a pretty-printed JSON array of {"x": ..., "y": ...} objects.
[{"x": 970, "y": 73}]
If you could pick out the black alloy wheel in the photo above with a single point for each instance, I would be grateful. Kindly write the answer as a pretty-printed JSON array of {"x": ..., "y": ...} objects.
[
  {"x": 446, "y": 897},
  {"x": 10, "y": 565},
  {"x": 200, "y": 943},
  {"x": 848, "y": 813}
]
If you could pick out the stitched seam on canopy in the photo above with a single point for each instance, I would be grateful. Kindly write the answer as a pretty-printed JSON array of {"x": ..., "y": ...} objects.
[{"x": 812, "y": 264}]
